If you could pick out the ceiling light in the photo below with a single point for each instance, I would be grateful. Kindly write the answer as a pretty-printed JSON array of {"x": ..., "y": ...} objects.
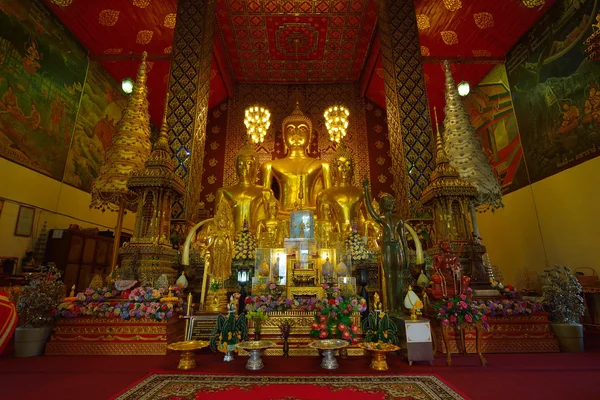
[
  {"x": 257, "y": 120},
  {"x": 336, "y": 121},
  {"x": 127, "y": 85},
  {"x": 464, "y": 88}
]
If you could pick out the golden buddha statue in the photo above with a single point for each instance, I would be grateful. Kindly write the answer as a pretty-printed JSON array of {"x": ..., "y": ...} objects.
[
  {"x": 372, "y": 229},
  {"x": 264, "y": 270},
  {"x": 327, "y": 228},
  {"x": 347, "y": 201},
  {"x": 297, "y": 173},
  {"x": 221, "y": 245},
  {"x": 271, "y": 230},
  {"x": 246, "y": 199}
]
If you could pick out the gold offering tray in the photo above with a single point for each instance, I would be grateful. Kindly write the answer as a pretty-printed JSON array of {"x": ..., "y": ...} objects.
[{"x": 329, "y": 344}]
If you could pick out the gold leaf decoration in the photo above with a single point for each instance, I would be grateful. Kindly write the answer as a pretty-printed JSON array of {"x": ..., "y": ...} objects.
[
  {"x": 215, "y": 129},
  {"x": 141, "y": 3},
  {"x": 425, "y": 51},
  {"x": 533, "y": 3},
  {"x": 211, "y": 179},
  {"x": 453, "y": 5},
  {"x": 113, "y": 51},
  {"x": 423, "y": 21},
  {"x": 382, "y": 178},
  {"x": 210, "y": 197},
  {"x": 168, "y": 50},
  {"x": 144, "y": 37},
  {"x": 484, "y": 20},
  {"x": 108, "y": 17},
  {"x": 62, "y": 3},
  {"x": 214, "y": 145},
  {"x": 449, "y": 37},
  {"x": 481, "y": 53},
  {"x": 380, "y": 160},
  {"x": 170, "y": 21},
  {"x": 379, "y": 144},
  {"x": 212, "y": 162}
]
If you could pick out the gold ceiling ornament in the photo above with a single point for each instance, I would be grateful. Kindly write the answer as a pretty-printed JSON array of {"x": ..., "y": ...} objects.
[
  {"x": 484, "y": 20},
  {"x": 423, "y": 21},
  {"x": 128, "y": 151},
  {"x": 168, "y": 50},
  {"x": 533, "y": 3},
  {"x": 113, "y": 51},
  {"x": 481, "y": 53},
  {"x": 425, "y": 51},
  {"x": 144, "y": 37},
  {"x": 449, "y": 37},
  {"x": 453, "y": 5},
  {"x": 62, "y": 3},
  {"x": 257, "y": 120},
  {"x": 170, "y": 20},
  {"x": 108, "y": 17},
  {"x": 336, "y": 121},
  {"x": 465, "y": 150},
  {"x": 141, "y": 3}
]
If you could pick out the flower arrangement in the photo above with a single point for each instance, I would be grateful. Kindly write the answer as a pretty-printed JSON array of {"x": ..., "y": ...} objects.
[
  {"x": 507, "y": 308},
  {"x": 380, "y": 329},
  {"x": 508, "y": 290},
  {"x": 142, "y": 294},
  {"x": 229, "y": 331},
  {"x": 562, "y": 295},
  {"x": 98, "y": 295},
  {"x": 125, "y": 311},
  {"x": 244, "y": 248},
  {"x": 459, "y": 311},
  {"x": 333, "y": 318},
  {"x": 42, "y": 295},
  {"x": 356, "y": 245},
  {"x": 268, "y": 303}
]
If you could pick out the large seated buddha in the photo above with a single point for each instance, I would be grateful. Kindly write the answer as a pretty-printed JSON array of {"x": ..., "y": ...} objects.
[
  {"x": 300, "y": 177},
  {"x": 247, "y": 199}
]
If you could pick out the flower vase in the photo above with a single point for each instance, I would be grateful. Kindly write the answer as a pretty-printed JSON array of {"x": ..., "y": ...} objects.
[
  {"x": 229, "y": 354},
  {"x": 257, "y": 323}
]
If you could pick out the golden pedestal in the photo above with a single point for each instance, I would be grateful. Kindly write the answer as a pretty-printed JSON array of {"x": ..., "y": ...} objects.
[
  {"x": 187, "y": 349},
  {"x": 379, "y": 351}
]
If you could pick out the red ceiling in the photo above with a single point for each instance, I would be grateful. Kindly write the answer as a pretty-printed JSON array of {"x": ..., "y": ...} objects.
[
  {"x": 333, "y": 40},
  {"x": 297, "y": 41},
  {"x": 479, "y": 28}
]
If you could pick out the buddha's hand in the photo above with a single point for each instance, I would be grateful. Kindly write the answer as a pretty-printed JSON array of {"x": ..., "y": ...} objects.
[{"x": 366, "y": 183}]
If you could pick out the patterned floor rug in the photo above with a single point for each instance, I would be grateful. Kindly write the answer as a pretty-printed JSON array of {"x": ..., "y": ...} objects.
[{"x": 159, "y": 386}]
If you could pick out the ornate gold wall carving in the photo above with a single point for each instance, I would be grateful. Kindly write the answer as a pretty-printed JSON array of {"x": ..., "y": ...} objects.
[
  {"x": 314, "y": 99},
  {"x": 189, "y": 88},
  {"x": 410, "y": 131}
]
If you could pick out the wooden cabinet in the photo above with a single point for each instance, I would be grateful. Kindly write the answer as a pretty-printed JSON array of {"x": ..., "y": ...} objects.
[{"x": 79, "y": 255}]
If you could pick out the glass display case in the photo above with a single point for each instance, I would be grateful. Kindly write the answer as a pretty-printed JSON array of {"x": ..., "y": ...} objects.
[{"x": 302, "y": 224}]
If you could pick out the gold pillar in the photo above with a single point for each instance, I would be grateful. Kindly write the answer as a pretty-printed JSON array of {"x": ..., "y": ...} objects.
[
  {"x": 189, "y": 83},
  {"x": 406, "y": 103}
]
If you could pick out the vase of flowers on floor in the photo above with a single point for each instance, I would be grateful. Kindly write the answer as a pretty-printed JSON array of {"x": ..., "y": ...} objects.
[
  {"x": 42, "y": 295},
  {"x": 562, "y": 299}
]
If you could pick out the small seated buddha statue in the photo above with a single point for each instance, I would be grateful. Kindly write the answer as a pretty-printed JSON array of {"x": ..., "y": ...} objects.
[
  {"x": 271, "y": 230},
  {"x": 246, "y": 198},
  {"x": 347, "y": 201},
  {"x": 264, "y": 270},
  {"x": 297, "y": 172},
  {"x": 328, "y": 229}
]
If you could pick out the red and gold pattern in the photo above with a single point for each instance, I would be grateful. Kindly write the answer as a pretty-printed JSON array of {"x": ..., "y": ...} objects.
[
  {"x": 297, "y": 41},
  {"x": 8, "y": 320},
  {"x": 521, "y": 334},
  {"x": 105, "y": 336},
  {"x": 196, "y": 386}
]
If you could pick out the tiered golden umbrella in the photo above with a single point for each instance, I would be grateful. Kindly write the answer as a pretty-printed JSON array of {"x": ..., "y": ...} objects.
[{"x": 128, "y": 150}]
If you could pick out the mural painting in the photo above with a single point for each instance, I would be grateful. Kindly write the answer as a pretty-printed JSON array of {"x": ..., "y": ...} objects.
[
  {"x": 491, "y": 110},
  {"x": 42, "y": 70},
  {"x": 100, "y": 111},
  {"x": 556, "y": 90}
]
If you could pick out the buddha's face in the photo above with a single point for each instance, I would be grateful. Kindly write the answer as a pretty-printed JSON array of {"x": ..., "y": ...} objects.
[
  {"x": 246, "y": 167},
  {"x": 345, "y": 169},
  {"x": 296, "y": 136},
  {"x": 386, "y": 203}
]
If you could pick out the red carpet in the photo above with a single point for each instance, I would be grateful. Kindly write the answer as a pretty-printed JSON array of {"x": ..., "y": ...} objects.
[
  {"x": 194, "y": 386},
  {"x": 514, "y": 376}
]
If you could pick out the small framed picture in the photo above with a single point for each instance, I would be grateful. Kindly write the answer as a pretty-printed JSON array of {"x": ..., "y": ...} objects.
[{"x": 25, "y": 219}]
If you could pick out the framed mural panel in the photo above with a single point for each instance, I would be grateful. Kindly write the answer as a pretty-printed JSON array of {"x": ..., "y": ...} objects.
[
  {"x": 42, "y": 71},
  {"x": 99, "y": 113},
  {"x": 556, "y": 90},
  {"x": 25, "y": 218}
]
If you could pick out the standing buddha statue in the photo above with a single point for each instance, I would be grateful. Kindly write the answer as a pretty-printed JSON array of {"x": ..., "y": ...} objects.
[
  {"x": 297, "y": 172},
  {"x": 347, "y": 201},
  {"x": 392, "y": 248},
  {"x": 221, "y": 245},
  {"x": 246, "y": 199}
]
